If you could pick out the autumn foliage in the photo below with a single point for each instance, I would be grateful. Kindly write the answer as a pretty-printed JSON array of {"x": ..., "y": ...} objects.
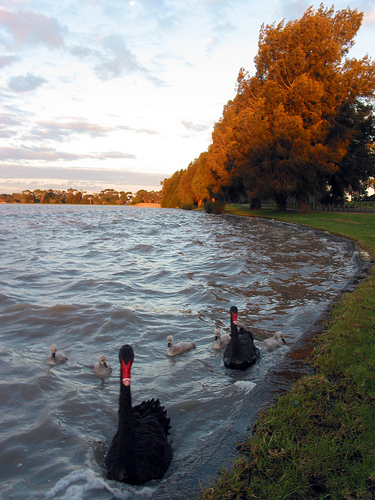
[{"x": 301, "y": 126}]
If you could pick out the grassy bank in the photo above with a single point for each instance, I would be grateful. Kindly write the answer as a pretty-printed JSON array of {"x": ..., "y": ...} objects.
[{"x": 318, "y": 441}]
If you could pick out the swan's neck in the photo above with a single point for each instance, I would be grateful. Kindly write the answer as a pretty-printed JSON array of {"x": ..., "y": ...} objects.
[
  {"x": 126, "y": 441},
  {"x": 125, "y": 408},
  {"x": 236, "y": 343}
]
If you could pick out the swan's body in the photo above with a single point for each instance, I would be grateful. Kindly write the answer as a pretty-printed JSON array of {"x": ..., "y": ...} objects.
[
  {"x": 102, "y": 368},
  {"x": 221, "y": 340},
  {"x": 174, "y": 349},
  {"x": 240, "y": 352},
  {"x": 56, "y": 357},
  {"x": 139, "y": 450},
  {"x": 274, "y": 342}
]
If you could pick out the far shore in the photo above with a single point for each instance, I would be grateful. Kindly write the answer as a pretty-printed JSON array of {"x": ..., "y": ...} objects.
[{"x": 147, "y": 205}]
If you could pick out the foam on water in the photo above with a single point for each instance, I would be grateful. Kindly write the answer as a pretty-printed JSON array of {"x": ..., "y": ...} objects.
[
  {"x": 244, "y": 385},
  {"x": 76, "y": 484}
]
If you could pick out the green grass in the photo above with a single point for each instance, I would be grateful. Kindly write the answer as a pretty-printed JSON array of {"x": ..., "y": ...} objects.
[{"x": 318, "y": 440}]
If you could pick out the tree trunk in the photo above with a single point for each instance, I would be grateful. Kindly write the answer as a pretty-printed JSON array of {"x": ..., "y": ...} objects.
[
  {"x": 303, "y": 204},
  {"x": 280, "y": 200},
  {"x": 255, "y": 204}
]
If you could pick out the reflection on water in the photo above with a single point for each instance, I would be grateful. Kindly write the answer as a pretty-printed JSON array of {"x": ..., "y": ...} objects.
[{"x": 92, "y": 278}]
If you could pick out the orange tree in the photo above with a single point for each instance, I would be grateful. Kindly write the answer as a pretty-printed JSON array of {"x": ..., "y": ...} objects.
[{"x": 283, "y": 135}]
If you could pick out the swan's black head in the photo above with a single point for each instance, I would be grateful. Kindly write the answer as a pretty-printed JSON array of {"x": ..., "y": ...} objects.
[
  {"x": 233, "y": 314},
  {"x": 126, "y": 353},
  {"x": 126, "y": 357}
]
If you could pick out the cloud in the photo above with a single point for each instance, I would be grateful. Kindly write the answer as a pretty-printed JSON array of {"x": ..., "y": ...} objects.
[
  {"x": 19, "y": 178},
  {"x": 221, "y": 31},
  {"x": 111, "y": 154},
  {"x": 155, "y": 5},
  {"x": 55, "y": 130},
  {"x": 25, "y": 83},
  {"x": 209, "y": 43},
  {"x": 7, "y": 122},
  {"x": 195, "y": 127},
  {"x": 7, "y": 60},
  {"x": 119, "y": 61},
  {"x": 369, "y": 16},
  {"x": 122, "y": 60},
  {"x": 49, "y": 154},
  {"x": 30, "y": 28},
  {"x": 82, "y": 51},
  {"x": 64, "y": 130},
  {"x": 138, "y": 130}
]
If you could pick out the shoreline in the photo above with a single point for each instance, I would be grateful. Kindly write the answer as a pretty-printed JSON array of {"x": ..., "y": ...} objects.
[
  {"x": 147, "y": 205},
  {"x": 331, "y": 459},
  {"x": 198, "y": 473}
]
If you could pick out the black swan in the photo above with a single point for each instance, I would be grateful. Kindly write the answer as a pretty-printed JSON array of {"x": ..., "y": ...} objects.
[
  {"x": 139, "y": 450},
  {"x": 102, "y": 368},
  {"x": 240, "y": 352}
]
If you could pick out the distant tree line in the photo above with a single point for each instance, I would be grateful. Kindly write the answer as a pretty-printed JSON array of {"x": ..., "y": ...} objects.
[
  {"x": 302, "y": 126},
  {"x": 78, "y": 197}
]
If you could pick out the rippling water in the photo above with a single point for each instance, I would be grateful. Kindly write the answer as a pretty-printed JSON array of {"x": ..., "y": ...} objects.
[{"x": 92, "y": 278}]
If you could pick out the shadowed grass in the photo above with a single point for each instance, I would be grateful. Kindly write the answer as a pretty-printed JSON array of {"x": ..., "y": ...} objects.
[{"x": 318, "y": 440}]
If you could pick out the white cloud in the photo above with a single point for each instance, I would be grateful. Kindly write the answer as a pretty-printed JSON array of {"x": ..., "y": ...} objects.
[
  {"x": 43, "y": 154},
  {"x": 195, "y": 127}
]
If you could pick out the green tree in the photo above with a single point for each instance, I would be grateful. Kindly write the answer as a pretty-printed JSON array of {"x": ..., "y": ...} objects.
[
  {"x": 144, "y": 196},
  {"x": 108, "y": 197},
  {"x": 358, "y": 164},
  {"x": 124, "y": 197},
  {"x": 27, "y": 196}
]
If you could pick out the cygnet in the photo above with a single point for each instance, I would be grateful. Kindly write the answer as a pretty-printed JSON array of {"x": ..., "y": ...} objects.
[
  {"x": 102, "y": 368},
  {"x": 274, "y": 342},
  {"x": 221, "y": 339},
  {"x": 56, "y": 356},
  {"x": 174, "y": 349}
]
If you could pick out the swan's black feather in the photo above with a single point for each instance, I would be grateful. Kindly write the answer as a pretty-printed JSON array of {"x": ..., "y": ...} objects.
[
  {"x": 241, "y": 352},
  {"x": 139, "y": 450}
]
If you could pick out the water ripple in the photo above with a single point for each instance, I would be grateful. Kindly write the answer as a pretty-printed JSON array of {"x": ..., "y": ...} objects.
[{"x": 92, "y": 278}]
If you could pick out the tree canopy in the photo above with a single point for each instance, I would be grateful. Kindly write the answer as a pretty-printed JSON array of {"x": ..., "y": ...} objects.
[
  {"x": 301, "y": 125},
  {"x": 78, "y": 197}
]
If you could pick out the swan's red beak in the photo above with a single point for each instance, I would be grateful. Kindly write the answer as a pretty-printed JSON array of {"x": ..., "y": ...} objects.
[
  {"x": 234, "y": 318},
  {"x": 125, "y": 373}
]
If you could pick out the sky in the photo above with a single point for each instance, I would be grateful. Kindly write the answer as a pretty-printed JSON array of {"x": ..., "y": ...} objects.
[{"x": 119, "y": 94}]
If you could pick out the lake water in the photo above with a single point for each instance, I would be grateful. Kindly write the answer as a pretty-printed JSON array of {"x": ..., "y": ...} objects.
[{"x": 92, "y": 278}]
